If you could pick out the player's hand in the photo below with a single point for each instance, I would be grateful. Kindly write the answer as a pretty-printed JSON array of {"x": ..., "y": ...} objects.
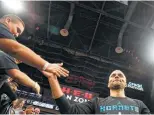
[
  {"x": 57, "y": 69},
  {"x": 49, "y": 75}
]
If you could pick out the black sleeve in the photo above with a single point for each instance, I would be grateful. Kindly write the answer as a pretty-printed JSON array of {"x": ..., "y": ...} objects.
[
  {"x": 143, "y": 108},
  {"x": 5, "y": 33},
  {"x": 8, "y": 91},
  {"x": 79, "y": 108}
]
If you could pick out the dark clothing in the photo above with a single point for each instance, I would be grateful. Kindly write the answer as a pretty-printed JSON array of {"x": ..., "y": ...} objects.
[
  {"x": 5, "y": 33},
  {"x": 6, "y": 62},
  {"x": 6, "y": 97},
  {"x": 5, "y": 89},
  {"x": 109, "y": 105}
]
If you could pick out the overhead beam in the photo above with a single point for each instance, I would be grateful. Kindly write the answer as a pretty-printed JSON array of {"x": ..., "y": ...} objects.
[
  {"x": 93, "y": 37},
  {"x": 127, "y": 18},
  {"x": 81, "y": 53},
  {"x": 49, "y": 13},
  {"x": 111, "y": 16},
  {"x": 144, "y": 2}
]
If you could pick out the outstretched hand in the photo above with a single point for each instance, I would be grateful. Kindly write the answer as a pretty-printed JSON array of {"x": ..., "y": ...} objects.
[
  {"x": 49, "y": 75},
  {"x": 56, "y": 69}
]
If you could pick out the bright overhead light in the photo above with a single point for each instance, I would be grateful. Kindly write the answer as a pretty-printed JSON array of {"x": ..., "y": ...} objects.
[
  {"x": 147, "y": 49},
  {"x": 15, "y": 5}
]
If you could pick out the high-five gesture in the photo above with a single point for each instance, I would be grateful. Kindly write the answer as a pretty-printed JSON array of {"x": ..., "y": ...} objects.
[{"x": 56, "y": 69}]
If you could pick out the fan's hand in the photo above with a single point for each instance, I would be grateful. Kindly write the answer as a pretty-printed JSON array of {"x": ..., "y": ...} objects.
[{"x": 57, "y": 69}]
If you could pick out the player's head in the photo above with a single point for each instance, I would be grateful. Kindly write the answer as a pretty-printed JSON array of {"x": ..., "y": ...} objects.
[{"x": 117, "y": 80}]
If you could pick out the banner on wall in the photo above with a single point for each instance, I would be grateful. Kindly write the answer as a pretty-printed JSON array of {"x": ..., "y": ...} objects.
[
  {"x": 135, "y": 86},
  {"x": 74, "y": 95}
]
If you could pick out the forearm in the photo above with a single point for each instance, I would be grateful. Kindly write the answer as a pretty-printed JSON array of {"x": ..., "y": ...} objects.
[
  {"x": 29, "y": 57},
  {"x": 23, "y": 79},
  {"x": 22, "y": 53},
  {"x": 59, "y": 96},
  {"x": 55, "y": 87}
]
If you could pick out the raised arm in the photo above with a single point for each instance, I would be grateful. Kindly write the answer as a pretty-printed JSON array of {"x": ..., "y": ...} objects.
[{"x": 63, "y": 104}]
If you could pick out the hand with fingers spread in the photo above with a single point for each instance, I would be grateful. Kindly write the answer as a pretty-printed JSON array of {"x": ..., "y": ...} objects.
[{"x": 56, "y": 69}]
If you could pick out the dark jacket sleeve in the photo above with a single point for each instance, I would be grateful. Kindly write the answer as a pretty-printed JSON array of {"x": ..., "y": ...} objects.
[
  {"x": 8, "y": 91},
  {"x": 78, "y": 108},
  {"x": 143, "y": 108}
]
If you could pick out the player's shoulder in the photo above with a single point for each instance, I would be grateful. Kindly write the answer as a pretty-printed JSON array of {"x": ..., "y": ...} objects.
[
  {"x": 101, "y": 99},
  {"x": 134, "y": 99},
  {"x": 139, "y": 102}
]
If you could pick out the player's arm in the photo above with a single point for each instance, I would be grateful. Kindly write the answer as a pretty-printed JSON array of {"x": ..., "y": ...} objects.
[{"x": 63, "y": 104}]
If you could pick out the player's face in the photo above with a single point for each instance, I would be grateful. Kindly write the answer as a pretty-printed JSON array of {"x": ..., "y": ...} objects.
[{"x": 117, "y": 80}]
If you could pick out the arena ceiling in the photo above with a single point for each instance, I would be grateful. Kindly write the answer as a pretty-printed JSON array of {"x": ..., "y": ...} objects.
[{"x": 94, "y": 32}]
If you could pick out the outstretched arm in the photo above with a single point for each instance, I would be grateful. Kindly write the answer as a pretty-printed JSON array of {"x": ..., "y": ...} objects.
[
  {"x": 21, "y": 52},
  {"x": 29, "y": 57}
]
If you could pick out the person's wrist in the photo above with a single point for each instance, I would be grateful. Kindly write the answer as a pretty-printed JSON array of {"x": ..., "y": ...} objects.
[
  {"x": 45, "y": 66},
  {"x": 35, "y": 85},
  {"x": 52, "y": 78}
]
